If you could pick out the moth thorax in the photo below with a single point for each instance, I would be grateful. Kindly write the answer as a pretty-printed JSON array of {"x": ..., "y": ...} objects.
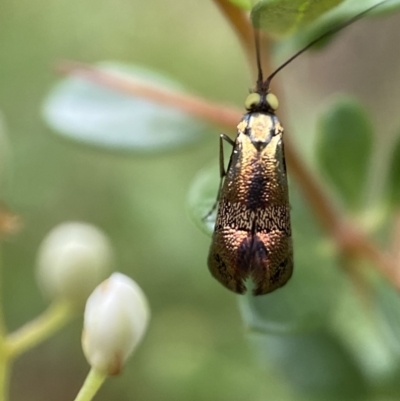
[{"x": 261, "y": 128}]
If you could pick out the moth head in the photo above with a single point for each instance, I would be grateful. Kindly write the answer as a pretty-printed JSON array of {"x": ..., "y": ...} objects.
[{"x": 258, "y": 101}]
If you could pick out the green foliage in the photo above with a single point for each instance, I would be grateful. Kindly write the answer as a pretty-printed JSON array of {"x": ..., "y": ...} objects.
[
  {"x": 344, "y": 147},
  {"x": 317, "y": 364},
  {"x": 322, "y": 17},
  {"x": 282, "y": 17},
  {"x": 95, "y": 115},
  {"x": 202, "y": 196},
  {"x": 244, "y": 4}
]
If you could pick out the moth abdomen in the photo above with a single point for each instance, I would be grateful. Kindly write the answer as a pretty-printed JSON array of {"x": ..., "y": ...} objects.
[{"x": 253, "y": 244}]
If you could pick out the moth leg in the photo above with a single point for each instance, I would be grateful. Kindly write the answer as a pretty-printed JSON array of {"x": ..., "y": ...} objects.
[{"x": 222, "y": 171}]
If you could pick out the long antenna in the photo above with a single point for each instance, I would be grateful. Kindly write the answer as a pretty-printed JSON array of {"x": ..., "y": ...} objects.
[
  {"x": 323, "y": 36},
  {"x": 260, "y": 78}
]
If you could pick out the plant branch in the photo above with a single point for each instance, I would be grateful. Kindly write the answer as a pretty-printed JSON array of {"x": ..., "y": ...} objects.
[
  {"x": 91, "y": 386},
  {"x": 52, "y": 319},
  {"x": 197, "y": 107}
]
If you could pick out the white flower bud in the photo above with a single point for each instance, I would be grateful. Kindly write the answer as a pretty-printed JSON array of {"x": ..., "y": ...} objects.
[
  {"x": 115, "y": 320},
  {"x": 72, "y": 259}
]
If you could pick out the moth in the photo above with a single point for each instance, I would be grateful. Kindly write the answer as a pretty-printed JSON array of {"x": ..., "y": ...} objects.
[{"x": 252, "y": 237}]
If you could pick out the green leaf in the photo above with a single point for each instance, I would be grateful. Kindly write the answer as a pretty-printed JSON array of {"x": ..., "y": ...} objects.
[
  {"x": 283, "y": 17},
  {"x": 350, "y": 8},
  {"x": 316, "y": 365},
  {"x": 203, "y": 193},
  {"x": 244, "y": 4},
  {"x": 202, "y": 197},
  {"x": 334, "y": 18},
  {"x": 307, "y": 301},
  {"x": 96, "y": 115},
  {"x": 344, "y": 146},
  {"x": 394, "y": 175}
]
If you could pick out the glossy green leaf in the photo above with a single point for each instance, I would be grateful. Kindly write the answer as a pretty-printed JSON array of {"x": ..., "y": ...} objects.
[
  {"x": 306, "y": 302},
  {"x": 95, "y": 115},
  {"x": 394, "y": 175},
  {"x": 316, "y": 365},
  {"x": 283, "y": 17},
  {"x": 344, "y": 146}
]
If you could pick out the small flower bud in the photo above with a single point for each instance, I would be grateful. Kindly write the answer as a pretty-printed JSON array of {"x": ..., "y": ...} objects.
[
  {"x": 115, "y": 320},
  {"x": 72, "y": 259}
]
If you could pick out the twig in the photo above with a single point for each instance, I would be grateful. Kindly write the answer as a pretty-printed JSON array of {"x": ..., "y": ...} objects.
[{"x": 205, "y": 110}]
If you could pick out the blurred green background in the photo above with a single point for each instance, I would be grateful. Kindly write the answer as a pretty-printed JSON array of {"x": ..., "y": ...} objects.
[{"x": 196, "y": 346}]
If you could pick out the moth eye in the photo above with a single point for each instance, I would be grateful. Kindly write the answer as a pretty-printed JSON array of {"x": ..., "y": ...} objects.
[
  {"x": 253, "y": 100},
  {"x": 272, "y": 100}
]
